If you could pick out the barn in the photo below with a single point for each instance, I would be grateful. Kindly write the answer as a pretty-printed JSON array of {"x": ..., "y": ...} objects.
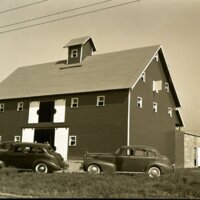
[{"x": 93, "y": 102}]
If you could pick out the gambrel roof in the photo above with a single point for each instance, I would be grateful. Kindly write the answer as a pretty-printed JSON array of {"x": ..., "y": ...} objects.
[{"x": 109, "y": 71}]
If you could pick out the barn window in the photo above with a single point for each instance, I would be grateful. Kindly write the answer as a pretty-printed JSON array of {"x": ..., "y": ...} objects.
[
  {"x": 155, "y": 107},
  {"x": 20, "y": 106},
  {"x": 143, "y": 77},
  {"x": 156, "y": 58},
  {"x": 166, "y": 87},
  {"x": 100, "y": 100},
  {"x": 74, "y": 103},
  {"x": 17, "y": 138},
  {"x": 170, "y": 111},
  {"x": 74, "y": 53},
  {"x": 72, "y": 140},
  {"x": 139, "y": 102},
  {"x": 2, "y": 107}
]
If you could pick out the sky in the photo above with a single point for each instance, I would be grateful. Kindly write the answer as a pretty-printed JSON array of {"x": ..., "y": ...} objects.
[{"x": 114, "y": 25}]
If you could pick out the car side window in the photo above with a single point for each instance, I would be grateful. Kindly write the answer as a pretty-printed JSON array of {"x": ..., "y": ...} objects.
[
  {"x": 151, "y": 154},
  {"x": 140, "y": 153},
  {"x": 126, "y": 152},
  {"x": 18, "y": 149}
]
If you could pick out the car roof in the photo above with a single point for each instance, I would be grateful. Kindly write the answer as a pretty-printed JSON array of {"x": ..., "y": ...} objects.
[
  {"x": 139, "y": 146},
  {"x": 7, "y": 142},
  {"x": 31, "y": 144}
]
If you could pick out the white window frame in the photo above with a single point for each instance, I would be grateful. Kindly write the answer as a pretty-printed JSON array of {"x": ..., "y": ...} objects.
[
  {"x": 170, "y": 111},
  {"x": 72, "y": 138},
  {"x": 74, "y": 102},
  {"x": 143, "y": 77},
  {"x": 139, "y": 102},
  {"x": 155, "y": 107},
  {"x": 2, "y": 107},
  {"x": 74, "y": 53},
  {"x": 101, "y": 100},
  {"x": 156, "y": 58},
  {"x": 17, "y": 138},
  {"x": 166, "y": 87},
  {"x": 20, "y": 106}
]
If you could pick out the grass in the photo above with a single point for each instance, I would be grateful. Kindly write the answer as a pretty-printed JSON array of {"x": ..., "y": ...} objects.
[{"x": 184, "y": 183}]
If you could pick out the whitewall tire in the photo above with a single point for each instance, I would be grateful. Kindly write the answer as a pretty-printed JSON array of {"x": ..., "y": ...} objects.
[
  {"x": 94, "y": 169},
  {"x": 154, "y": 172},
  {"x": 41, "y": 168}
]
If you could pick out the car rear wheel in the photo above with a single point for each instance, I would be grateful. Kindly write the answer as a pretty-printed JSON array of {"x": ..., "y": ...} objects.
[
  {"x": 154, "y": 172},
  {"x": 41, "y": 168},
  {"x": 94, "y": 169}
]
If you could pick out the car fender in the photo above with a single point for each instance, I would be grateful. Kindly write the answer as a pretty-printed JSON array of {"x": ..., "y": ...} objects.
[
  {"x": 105, "y": 166},
  {"x": 47, "y": 162},
  {"x": 163, "y": 168}
]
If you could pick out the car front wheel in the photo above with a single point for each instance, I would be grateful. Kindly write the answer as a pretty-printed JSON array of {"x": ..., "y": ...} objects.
[
  {"x": 41, "y": 168},
  {"x": 94, "y": 169},
  {"x": 154, "y": 172}
]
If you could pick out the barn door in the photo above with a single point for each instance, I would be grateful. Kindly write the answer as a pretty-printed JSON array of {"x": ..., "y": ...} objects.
[
  {"x": 59, "y": 106},
  {"x": 28, "y": 134},
  {"x": 33, "y": 108},
  {"x": 61, "y": 141}
]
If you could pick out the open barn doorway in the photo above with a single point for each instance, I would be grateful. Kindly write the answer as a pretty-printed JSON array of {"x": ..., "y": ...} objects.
[{"x": 45, "y": 136}]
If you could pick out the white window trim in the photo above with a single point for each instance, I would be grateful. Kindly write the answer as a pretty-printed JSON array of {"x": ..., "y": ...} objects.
[
  {"x": 74, "y": 53},
  {"x": 143, "y": 77},
  {"x": 156, "y": 58},
  {"x": 139, "y": 102},
  {"x": 166, "y": 87},
  {"x": 100, "y": 101},
  {"x": 2, "y": 107},
  {"x": 74, "y": 102},
  {"x": 170, "y": 111},
  {"x": 155, "y": 107},
  {"x": 72, "y": 138},
  {"x": 17, "y": 138},
  {"x": 20, "y": 105}
]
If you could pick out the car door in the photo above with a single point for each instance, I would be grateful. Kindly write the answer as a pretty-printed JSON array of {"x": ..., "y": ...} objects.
[
  {"x": 125, "y": 160},
  {"x": 20, "y": 157},
  {"x": 15, "y": 157},
  {"x": 132, "y": 160}
]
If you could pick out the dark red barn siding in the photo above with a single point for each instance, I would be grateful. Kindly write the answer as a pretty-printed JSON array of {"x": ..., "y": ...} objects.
[
  {"x": 87, "y": 50},
  {"x": 148, "y": 127},
  {"x": 98, "y": 129},
  {"x": 77, "y": 59}
]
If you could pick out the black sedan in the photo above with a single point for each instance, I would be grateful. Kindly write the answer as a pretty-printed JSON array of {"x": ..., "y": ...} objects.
[{"x": 38, "y": 157}]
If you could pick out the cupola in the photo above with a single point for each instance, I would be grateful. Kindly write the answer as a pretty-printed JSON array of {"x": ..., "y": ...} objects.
[{"x": 79, "y": 49}]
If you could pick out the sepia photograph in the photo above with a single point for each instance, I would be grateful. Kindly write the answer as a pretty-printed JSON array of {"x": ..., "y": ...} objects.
[{"x": 100, "y": 99}]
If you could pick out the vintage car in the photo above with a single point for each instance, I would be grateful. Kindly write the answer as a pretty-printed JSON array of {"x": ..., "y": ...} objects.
[
  {"x": 128, "y": 159},
  {"x": 38, "y": 157},
  {"x": 6, "y": 144}
]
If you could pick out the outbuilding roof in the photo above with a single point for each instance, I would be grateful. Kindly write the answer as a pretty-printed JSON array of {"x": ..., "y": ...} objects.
[{"x": 109, "y": 71}]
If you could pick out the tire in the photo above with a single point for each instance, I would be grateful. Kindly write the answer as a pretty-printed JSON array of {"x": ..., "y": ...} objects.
[
  {"x": 154, "y": 172},
  {"x": 41, "y": 168},
  {"x": 94, "y": 169}
]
